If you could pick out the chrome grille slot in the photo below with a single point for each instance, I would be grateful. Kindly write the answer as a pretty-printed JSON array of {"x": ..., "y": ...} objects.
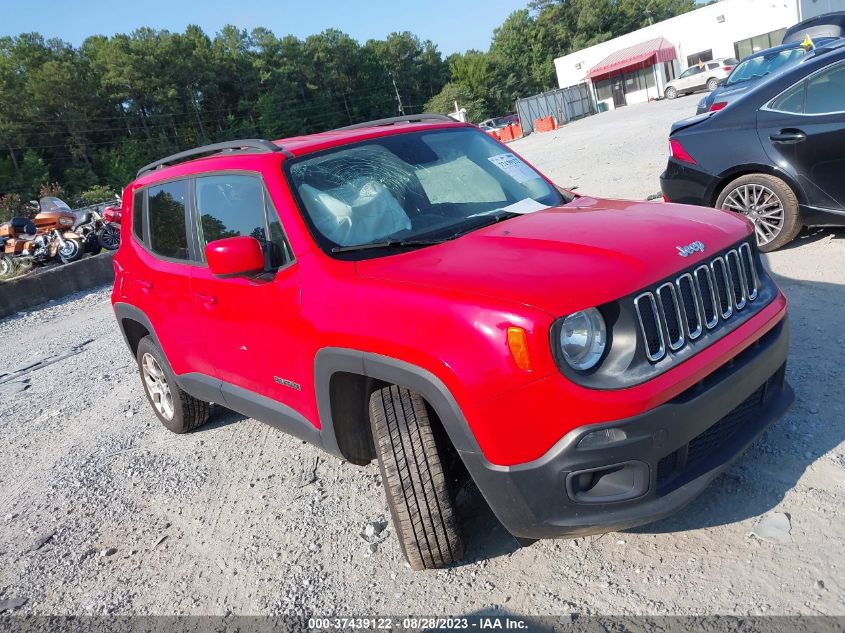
[
  {"x": 699, "y": 300},
  {"x": 646, "y": 307},
  {"x": 707, "y": 293},
  {"x": 691, "y": 305},
  {"x": 722, "y": 283},
  {"x": 670, "y": 308},
  {"x": 752, "y": 281},
  {"x": 738, "y": 279}
]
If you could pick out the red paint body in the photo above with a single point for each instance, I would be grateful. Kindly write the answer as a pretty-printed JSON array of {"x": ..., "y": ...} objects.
[{"x": 444, "y": 308}]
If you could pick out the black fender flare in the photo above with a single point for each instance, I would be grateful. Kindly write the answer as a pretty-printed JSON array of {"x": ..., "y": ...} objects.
[
  {"x": 127, "y": 311},
  {"x": 331, "y": 360}
]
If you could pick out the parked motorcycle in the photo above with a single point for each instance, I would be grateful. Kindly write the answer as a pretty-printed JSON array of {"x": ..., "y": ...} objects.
[
  {"x": 99, "y": 231},
  {"x": 45, "y": 238}
]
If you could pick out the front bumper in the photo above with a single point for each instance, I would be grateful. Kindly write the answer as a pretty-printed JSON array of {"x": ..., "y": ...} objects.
[{"x": 670, "y": 455}]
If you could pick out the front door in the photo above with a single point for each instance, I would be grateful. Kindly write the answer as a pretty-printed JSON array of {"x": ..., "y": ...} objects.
[
  {"x": 617, "y": 86},
  {"x": 805, "y": 129},
  {"x": 250, "y": 325}
]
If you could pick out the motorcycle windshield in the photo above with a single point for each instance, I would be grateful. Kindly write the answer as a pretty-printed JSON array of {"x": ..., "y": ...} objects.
[{"x": 51, "y": 203}]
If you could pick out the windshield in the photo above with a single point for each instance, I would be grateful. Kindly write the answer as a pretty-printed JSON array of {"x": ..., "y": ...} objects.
[
  {"x": 416, "y": 187},
  {"x": 761, "y": 65}
]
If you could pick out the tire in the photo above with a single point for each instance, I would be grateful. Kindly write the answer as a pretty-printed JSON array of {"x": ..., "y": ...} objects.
[
  {"x": 71, "y": 251},
  {"x": 771, "y": 229},
  {"x": 108, "y": 237},
  {"x": 186, "y": 413},
  {"x": 7, "y": 266},
  {"x": 670, "y": 93},
  {"x": 712, "y": 84},
  {"x": 415, "y": 483}
]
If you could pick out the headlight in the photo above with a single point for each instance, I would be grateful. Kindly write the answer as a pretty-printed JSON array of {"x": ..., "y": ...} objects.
[{"x": 583, "y": 337}]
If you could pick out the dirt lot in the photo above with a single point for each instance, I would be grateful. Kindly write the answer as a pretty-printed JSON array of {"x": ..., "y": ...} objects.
[{"x": 103, "y": 511}]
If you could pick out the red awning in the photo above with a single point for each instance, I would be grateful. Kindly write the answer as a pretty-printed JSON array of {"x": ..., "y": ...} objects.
[{"x": 639, "y": 56}]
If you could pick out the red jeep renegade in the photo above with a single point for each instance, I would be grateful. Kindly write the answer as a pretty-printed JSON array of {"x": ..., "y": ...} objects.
[{"x": 413, "y": 291}]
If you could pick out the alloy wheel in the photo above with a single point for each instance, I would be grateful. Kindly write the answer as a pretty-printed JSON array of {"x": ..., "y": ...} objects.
[
  {"x": 109, "y": 238},
  {"x": 762, "y": 206},
  {"x": 157, "y": 386},
  {"x": 69, "y": 250},
  {"x": 5, "y": 266}
]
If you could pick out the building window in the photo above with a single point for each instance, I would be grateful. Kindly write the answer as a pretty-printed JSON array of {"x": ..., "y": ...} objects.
[
  {"x": 603, "y": 92},
  {"x": 752, "y": 45},
  {"x": 669, "y": 70},
  {"x": 703, "y": 56}
]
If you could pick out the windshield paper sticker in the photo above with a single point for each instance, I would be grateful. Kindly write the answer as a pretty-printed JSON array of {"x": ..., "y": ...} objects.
[
  {"x": 528, "y": 205},
  {"x": 513, "y": 167}
]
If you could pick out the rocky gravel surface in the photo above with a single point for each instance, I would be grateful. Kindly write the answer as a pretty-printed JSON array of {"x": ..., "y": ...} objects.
[{"x": 103, "y": 511}]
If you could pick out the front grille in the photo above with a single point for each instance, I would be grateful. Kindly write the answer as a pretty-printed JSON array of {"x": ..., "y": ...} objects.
[
  {"x": 698, "y": 300},
  {"x": 721, "y": 432},
  {"x": 689, "y": 457}
]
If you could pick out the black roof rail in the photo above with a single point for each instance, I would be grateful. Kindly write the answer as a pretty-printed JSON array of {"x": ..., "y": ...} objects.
[
  {"x": 248, "y": 144},
  {"x": 410, "y": 118}
]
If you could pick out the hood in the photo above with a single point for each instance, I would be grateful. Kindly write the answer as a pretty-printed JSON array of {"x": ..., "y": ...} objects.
[{"x": 566, "y": 258}]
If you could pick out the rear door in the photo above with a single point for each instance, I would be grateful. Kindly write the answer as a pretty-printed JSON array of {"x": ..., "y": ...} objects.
[
  {"x": 804, "y": 128},
  {"x": 251, "y": 325},
  {"x": 690, "y": 79},
  {"x": 160, "y": 285}
]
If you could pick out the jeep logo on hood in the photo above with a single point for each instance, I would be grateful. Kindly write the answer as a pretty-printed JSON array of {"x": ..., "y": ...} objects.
[{"x": 689, "y": 249}]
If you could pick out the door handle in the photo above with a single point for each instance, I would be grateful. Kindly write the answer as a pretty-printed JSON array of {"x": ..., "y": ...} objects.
[
  {"x": 788, "y": 136},
  {"x": 207, "y": 299}
]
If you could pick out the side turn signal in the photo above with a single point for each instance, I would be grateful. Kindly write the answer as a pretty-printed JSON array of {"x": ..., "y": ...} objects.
[{"x": 518, "y": 344}]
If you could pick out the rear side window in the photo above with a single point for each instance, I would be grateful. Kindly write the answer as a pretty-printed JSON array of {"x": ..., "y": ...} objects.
[
  {"x": 790, "y": 101},
  {"x": 826, "y": 92},
  {"x": 138, "y": 215},
  {"x": 166, "y": 206},
  {"x": 234, "y": 205}
]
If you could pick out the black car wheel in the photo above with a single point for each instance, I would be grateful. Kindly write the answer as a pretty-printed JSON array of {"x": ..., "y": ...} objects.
[
  {"x": 670, "y": 93},
  {"x": 413, "y": 471},
  {"x": 769, "y": 203},
  {"x": 712, "y": 84}
]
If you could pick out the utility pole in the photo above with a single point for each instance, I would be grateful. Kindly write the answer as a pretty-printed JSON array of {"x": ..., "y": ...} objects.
[{"x": 398, "y": 98}]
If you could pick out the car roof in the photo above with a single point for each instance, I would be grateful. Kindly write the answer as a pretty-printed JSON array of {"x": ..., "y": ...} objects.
[{"x": 292, "y": 147}]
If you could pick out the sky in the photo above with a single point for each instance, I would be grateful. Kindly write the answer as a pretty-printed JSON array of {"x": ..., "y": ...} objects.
[{"x": 455, "y": 25}]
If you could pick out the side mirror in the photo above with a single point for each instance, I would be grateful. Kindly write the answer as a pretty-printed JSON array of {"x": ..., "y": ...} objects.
[
  {"x": 234, "y": 256},
  {"x": 721, "y": 82}
]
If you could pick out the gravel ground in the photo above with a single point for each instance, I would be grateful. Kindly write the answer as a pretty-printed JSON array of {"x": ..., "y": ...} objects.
[{"x": 102, "y": 511}]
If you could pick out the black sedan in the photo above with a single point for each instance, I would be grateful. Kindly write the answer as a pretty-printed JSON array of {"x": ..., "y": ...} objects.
[{"x": 777, "y": 154}]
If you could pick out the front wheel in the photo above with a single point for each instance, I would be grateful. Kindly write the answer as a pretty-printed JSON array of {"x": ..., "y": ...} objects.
[
  {"x": 109, "y": 237},
  {"x": 670, "y": 93},
  {"x": 769, "y": 203},
  {"x": 413, "y": 472},
  {"x": 7, "y": 266},
  {"x": 71, "y": 251},
  {"x": 712, "y": 84}
]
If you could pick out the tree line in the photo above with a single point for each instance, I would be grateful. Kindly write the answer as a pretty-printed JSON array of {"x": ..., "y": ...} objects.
[{"x": 79, "y": 121}]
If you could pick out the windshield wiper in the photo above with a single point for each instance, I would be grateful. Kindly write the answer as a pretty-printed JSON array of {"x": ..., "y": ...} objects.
[{"x": 386, "y": 244}]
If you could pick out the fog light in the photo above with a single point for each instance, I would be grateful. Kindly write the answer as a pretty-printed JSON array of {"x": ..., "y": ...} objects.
[{"x": 602, "y": 438}]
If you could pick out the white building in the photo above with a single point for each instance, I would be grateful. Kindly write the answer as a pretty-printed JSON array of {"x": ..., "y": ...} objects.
[{"x": 635, "y": 67}]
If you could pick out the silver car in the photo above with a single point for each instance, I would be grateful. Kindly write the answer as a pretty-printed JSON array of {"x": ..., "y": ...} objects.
[{"x": 705, "y": 75}]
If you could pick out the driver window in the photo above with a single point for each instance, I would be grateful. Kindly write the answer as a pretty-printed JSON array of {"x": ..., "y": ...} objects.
[{"x": 233, "y": 205}]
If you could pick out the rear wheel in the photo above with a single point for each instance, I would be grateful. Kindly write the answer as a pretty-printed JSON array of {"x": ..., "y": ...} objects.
[
  {"x": 769, "y": 203},
  {"x": 412, "y": 467},
  {"x": 712, "y": 84},
  {"x": 670, "y": 93},
  {"x": 175, "y": 409},
  {"x": 109, "y": 237}
]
